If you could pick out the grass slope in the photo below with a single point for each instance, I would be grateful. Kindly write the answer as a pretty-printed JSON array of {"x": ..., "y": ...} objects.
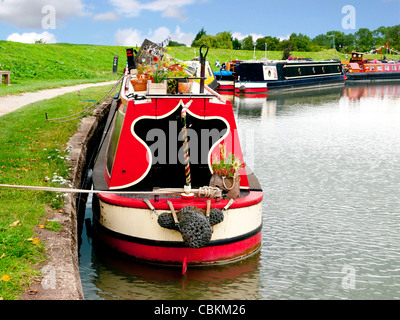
[
  {"x": 40, "y": 66},
  {"x": 33, "y": 153}
]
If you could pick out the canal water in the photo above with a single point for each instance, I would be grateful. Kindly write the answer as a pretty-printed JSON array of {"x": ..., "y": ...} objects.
[{"x": 329, "y": 165}]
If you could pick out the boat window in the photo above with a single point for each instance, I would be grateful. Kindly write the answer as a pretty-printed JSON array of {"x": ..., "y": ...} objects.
[
  {"x": 394, "y": 68},
  {"x": 112, "y": 148},
  {"x": 371, "y": 68},
  {"x": 387, "y": 68}
]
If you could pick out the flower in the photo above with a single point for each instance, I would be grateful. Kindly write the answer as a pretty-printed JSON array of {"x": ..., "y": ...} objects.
[{"x": 226, "y": 166}]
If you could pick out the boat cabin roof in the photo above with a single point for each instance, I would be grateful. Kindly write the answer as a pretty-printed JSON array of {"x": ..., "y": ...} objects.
[
  {"x": 355, "y": 66},
  {"x": 302, "y": 62},
  {"x": 129, "y": 93}
]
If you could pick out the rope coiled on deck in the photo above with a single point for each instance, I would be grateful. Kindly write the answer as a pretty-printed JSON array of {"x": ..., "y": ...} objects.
[{"x": 205, "y": 192}]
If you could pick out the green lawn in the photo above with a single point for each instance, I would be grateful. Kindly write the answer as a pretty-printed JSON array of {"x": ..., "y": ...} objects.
[
  {"x": 32, "y": 153},
  {"x": 41, "y": 66}
]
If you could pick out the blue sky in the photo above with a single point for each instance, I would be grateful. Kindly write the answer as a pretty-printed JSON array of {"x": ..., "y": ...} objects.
[{"x": 129, "y": 22}]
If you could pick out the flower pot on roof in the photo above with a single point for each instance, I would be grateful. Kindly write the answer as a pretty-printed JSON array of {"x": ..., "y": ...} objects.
[
  {"x": 140, "y": 84},
  {"x": 226, "y": 173}
]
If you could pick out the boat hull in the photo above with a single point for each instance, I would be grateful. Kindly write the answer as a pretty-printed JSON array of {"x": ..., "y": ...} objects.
[
  {"x": 373, "y": 77},
  {"x": 259, "y": 88},
  {"x": 133, "y": 230},
  {"x": 226, "y": 87},
  {"x": 262, "y": 78}
]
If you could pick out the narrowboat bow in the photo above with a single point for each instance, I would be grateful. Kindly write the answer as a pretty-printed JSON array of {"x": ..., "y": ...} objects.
[{"x": 163, "y": 200}]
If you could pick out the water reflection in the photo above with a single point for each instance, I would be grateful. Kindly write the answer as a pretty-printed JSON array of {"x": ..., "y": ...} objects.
[
  {"x": 106, "y": 275},
  {"x": 356, "y": 92},
  {"x": 274, "y": 105},
  {"x": 329, "y": 166},
  {"x": 120, "y": 279}
]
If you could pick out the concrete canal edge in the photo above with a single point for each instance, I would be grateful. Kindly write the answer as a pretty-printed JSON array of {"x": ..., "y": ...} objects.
[{"x": 60, "y": 278}]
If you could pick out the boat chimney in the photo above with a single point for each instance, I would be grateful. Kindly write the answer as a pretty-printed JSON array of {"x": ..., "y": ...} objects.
[
  {"x": 131, "y": 58},
  {"x": 203, "y": 67}
]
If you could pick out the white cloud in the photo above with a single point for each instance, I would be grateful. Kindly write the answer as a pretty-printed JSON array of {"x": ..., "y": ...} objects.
[
  {"x": 32, "y": 37},
  {"x": 240, "y": 36},
  {"x": 28, "y": 13},
  {"x": 169, "y": 8},
  {"x": 284, "y": 38},
  {"x": 130, "y": 37},
  {"x": 130, "y": 8},
  {"x": 175, "y": 12},
  {"x": 181, "y": 37},
  {"x": 107, "y": 16}
]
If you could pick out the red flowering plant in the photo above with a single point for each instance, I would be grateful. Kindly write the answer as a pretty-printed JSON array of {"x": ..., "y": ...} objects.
[
  {"x": 226, "y": 166},
  {"x": 167, "y": 67}
]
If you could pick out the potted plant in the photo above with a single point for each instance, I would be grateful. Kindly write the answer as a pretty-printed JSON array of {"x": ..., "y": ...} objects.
[
  {"x": 226, "y": 173},
  {"x": 184, "y": 84}
]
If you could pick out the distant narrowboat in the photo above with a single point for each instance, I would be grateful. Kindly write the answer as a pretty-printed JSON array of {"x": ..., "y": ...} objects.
[
  {"x": 258, "y": 78},
  {"x": 226, "y": 77},
  {"x": 360, "y": 70}
]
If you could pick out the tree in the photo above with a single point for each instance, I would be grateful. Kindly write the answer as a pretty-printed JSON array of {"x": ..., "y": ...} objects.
[
  {"x": 392, "y": 36},
  {"x": 222, "y": 40},
  {"x": 204, "y": 40},
  {"x": 175, "y": 44},
  {"x": 236, "y": 45},
  {"x": 349, "y": 43},
  {"x": 286, "y": 44},
  {"x": 365, "y": 40},
  {"x": 300, "y": 42},
  {"x": 286, "y": 52},
  {"x": 339, "y": 40},
  {"x": 272, "y": 43},
  {"x": 247, "y": 43},
  {"x": 199, "y": 34},
  {"x": 380, "y": 35},
  {"x": 322, "y": 40}
]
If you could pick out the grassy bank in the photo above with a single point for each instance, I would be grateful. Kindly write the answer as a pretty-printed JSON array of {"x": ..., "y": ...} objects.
[
  {"x": 33, "y": 152},
  {"x": 42, "y": 66}
]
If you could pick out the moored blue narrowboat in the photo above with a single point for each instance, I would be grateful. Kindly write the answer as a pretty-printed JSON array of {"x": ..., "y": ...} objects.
[{"x": 260, "y": 77}]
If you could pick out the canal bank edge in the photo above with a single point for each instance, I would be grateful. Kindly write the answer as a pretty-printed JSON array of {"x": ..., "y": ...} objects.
[{"x": 60, "y": 279}]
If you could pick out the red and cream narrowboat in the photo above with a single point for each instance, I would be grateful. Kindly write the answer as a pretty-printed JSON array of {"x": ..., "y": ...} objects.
[
  {"x": 157, "y": 167},
  {"x": 360, "y": 70}
]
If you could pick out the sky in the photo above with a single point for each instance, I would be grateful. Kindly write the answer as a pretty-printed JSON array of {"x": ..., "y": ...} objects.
[{"x": 129, "y": 22}]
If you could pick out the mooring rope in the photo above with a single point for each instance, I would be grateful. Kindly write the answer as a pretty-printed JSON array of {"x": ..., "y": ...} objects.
[
  {"x": 86, "y": 111},
  {"x": 206, "y": 192}
]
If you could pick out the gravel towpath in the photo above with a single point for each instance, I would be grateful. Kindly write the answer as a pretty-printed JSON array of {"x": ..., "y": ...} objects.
[{"x": 13, "y": 102}]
